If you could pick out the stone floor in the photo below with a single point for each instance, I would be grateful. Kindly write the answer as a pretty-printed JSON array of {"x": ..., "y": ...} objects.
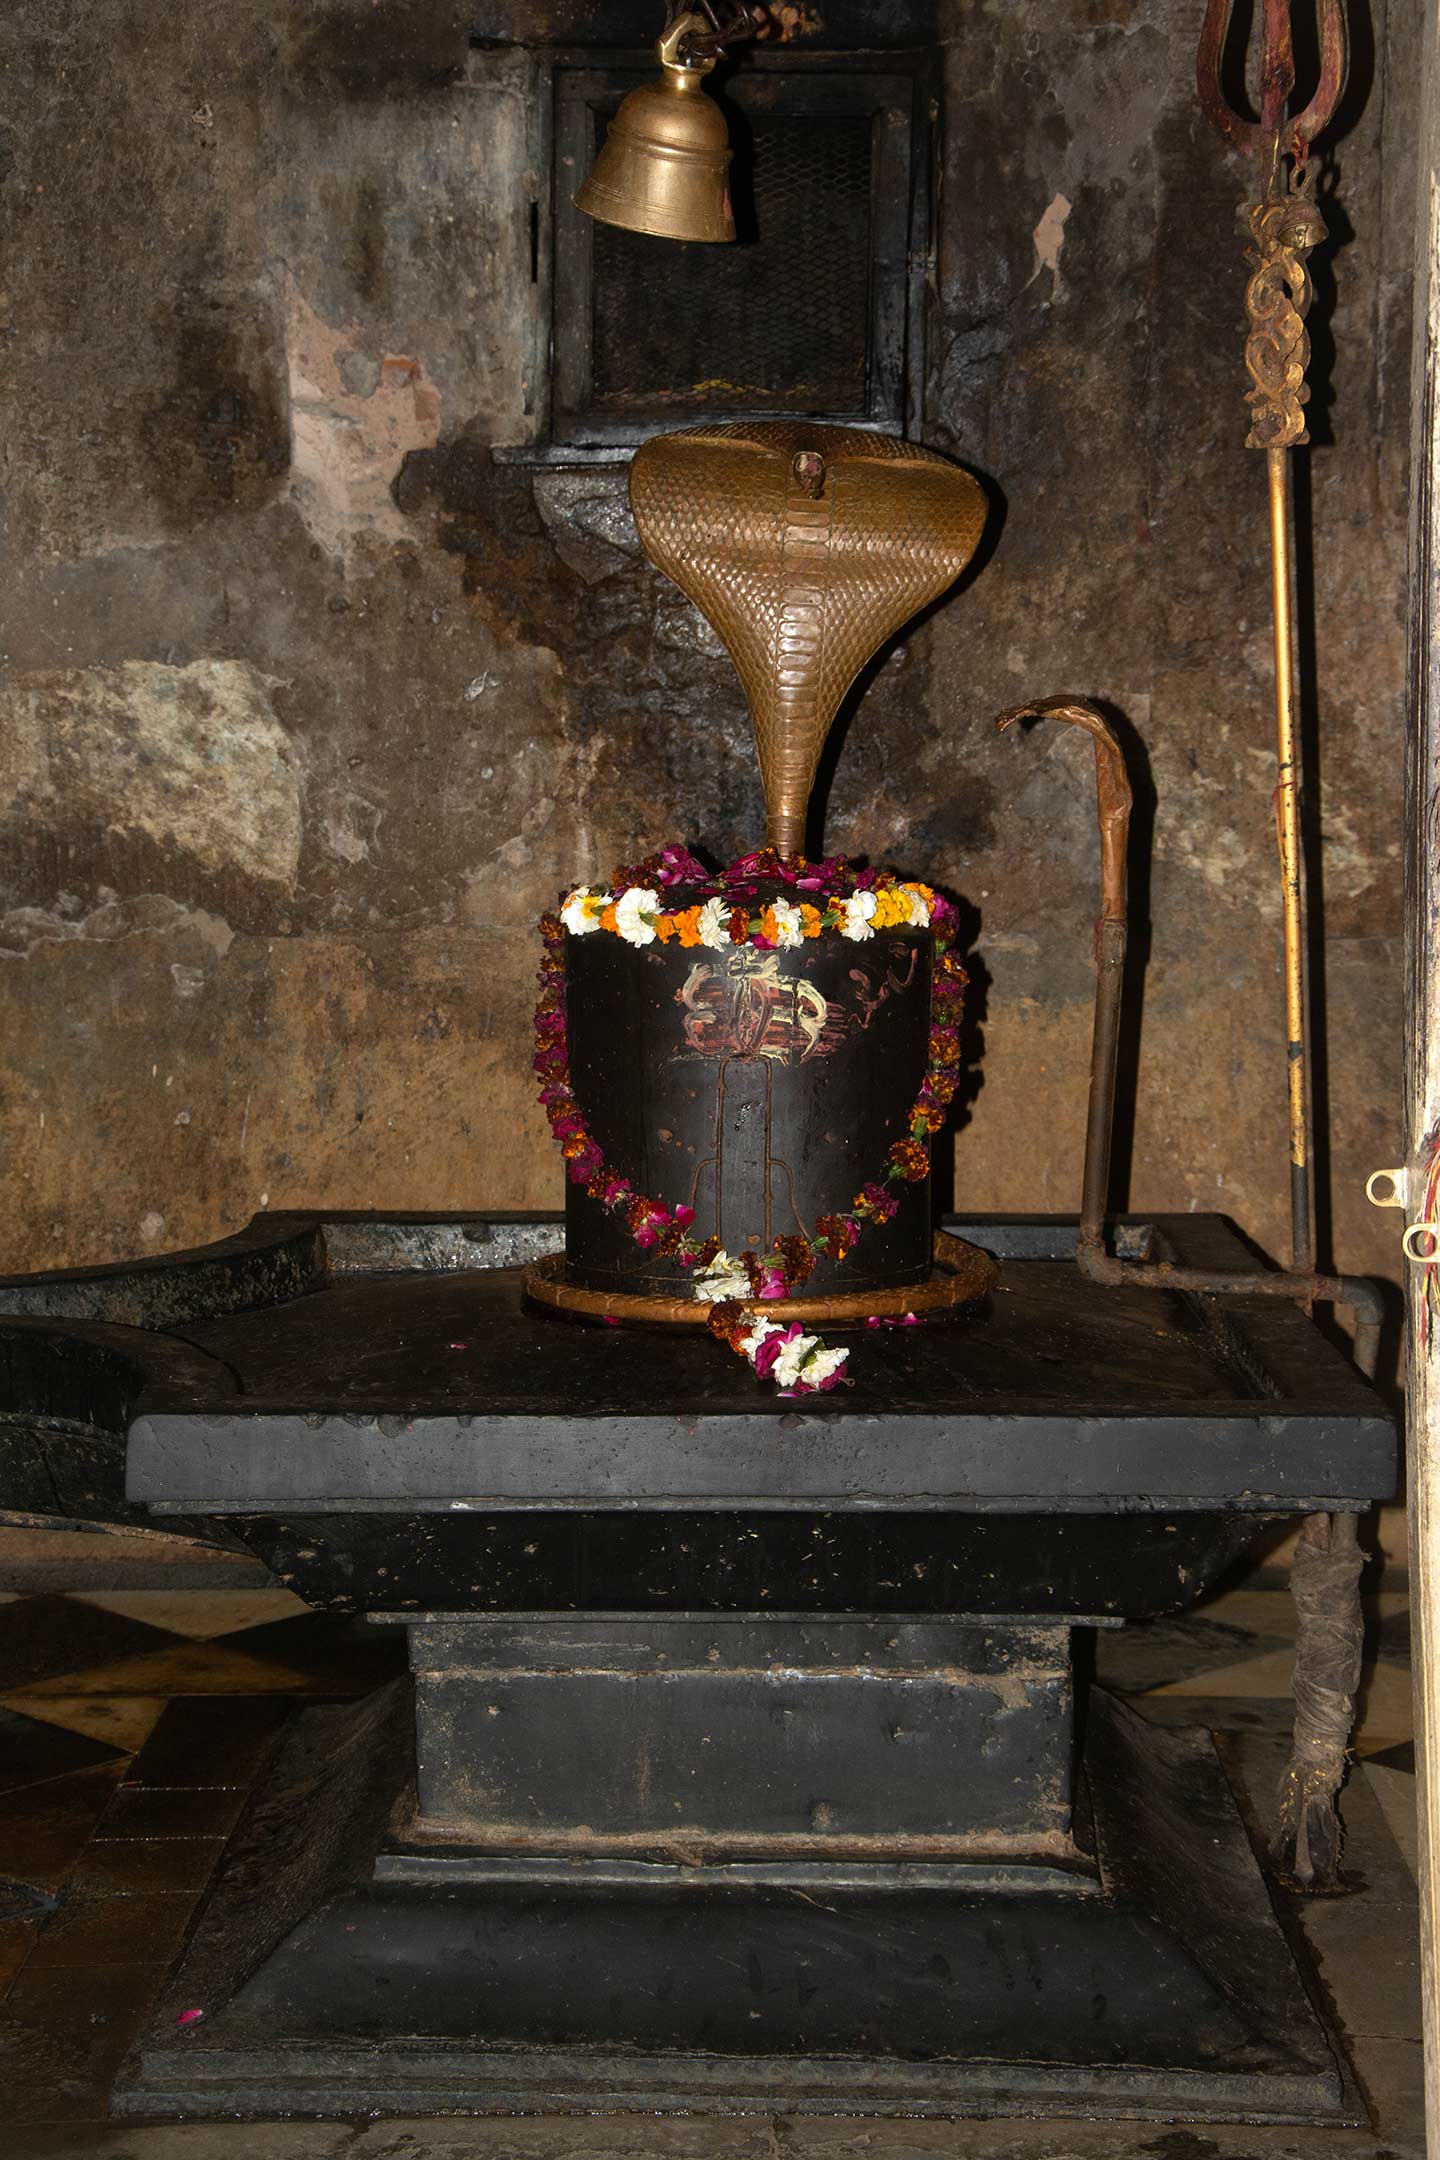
[{"x": 131, "y": 1722}]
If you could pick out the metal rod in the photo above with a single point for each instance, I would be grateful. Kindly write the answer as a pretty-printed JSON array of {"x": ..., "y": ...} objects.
[
  {"x": 1292, "y": 880},
  {"x": 1302, "y": 1286}
]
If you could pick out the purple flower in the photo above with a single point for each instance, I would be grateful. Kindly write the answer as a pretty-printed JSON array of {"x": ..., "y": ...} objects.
[
  {"x": 586, "y": 1165},
  {"x": 679, "y": 867},
  {"x": 767, "y": 1353},
  {"x": 883, "y": 1205}
]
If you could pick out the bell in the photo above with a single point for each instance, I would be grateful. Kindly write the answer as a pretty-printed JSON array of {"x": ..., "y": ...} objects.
[{"x": 663, "y": 163}]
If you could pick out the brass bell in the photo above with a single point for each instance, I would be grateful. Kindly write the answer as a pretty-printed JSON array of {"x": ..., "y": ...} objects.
[{"x": 663, "y": 163}]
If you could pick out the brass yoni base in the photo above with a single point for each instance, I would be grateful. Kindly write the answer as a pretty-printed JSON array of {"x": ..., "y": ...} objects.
[{"x": 962, "y": 1273}]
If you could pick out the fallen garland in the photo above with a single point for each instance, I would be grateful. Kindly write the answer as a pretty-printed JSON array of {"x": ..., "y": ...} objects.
[{"x": 830, "y": 896}]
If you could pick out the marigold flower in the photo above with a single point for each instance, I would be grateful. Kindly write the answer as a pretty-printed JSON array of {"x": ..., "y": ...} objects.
[
  {"x": 910, "y": 1159},
  {"x": 730, "y": 1321},
  {"x": 796, "y": 1258}
]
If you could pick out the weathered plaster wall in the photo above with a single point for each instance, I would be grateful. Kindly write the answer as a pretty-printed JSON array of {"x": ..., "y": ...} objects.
[{"x": 310, "y": 706}]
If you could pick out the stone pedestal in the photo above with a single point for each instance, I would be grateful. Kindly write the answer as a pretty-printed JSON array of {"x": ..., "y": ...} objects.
[{"x": 731, "y": 1863}]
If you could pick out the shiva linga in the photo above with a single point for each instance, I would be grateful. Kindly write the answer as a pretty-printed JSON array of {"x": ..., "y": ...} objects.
[
  {"x": 745, "y": 1071},
  {"x": 732, "y": 1755}
]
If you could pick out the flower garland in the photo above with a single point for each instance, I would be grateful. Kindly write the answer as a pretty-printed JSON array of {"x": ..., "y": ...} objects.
[{"x": 829, "y": 895}]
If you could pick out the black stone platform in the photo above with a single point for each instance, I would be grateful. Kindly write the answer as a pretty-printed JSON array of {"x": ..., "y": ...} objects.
[{"x": 742, "y": 1764}]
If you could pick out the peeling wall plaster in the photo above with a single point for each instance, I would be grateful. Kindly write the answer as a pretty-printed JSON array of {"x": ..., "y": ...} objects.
[{"x": 355, "y": 416}]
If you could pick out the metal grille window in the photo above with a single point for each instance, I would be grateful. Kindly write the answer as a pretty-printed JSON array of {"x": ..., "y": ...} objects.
[{"x": 814, "y": 309}]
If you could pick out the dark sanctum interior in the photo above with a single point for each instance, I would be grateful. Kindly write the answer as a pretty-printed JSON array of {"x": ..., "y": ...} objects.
[{"x": 716, "y": 979}]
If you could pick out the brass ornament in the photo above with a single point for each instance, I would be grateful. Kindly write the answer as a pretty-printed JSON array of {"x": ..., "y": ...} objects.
[
  {"x": 663, "y": 166},
  {"x": 804, "y": 547},
  {"x": 1286, "y": 226},
  {"x": 961, "y": 1273}
]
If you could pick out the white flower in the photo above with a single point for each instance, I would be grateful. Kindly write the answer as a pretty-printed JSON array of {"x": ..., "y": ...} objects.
[
  {"x": 786, "y": 1369},
  {"x": 582, "y": 910},
  {"x": 789, "y": 924},
  {"x": 764, "y": 1329},
  {"x": 724, "y": 1278},
  {"x": 821, "y": 1366},
  {"x": 713, "y": 928},
  {"x": 919, "y": 908},
  {"x": 630, "y": 911},
  {"x": 858, "y": 910}
]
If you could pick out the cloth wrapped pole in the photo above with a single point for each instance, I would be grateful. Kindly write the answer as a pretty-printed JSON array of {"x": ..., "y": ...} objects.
[{"x": 1329, "y": 1636}]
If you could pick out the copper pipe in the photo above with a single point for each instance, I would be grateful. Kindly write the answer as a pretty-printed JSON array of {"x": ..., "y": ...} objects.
[{"x": 1092, "y": 1257}]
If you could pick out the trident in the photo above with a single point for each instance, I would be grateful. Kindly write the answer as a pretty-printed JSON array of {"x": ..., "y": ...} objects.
[{"x": 1285, "y": 225}]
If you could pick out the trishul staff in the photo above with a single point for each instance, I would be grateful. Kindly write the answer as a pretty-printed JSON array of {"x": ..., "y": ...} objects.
[{"x": 1286, "y": 225}]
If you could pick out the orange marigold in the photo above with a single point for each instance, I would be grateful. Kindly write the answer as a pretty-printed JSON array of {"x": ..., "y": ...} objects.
[
  {"x": 796, "y": 1258},
  {"x": 730, "y": 1321},
  {"x": 910, "y": 1159}
]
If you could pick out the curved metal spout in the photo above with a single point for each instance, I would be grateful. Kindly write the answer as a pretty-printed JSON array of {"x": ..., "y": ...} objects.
[{"x": 1092, "y": 1256}]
